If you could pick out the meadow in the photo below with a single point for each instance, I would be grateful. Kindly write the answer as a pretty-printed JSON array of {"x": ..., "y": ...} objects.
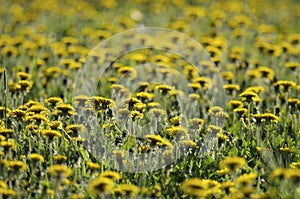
[{"x": 206, "y": 105}]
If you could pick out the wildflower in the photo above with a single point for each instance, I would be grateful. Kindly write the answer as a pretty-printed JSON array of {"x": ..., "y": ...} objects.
[
  {"x": 293, "y": 175},
  {"x": 163, "y": 88},
  {"x": 60, "y": 158},
  {"x": 38, "y": 118},
  {"x": 81, "y": 100},
  {"x": 25, "y": 85},
  {"x": 248, "y": 96},
  {"x": 36, "y": 157},
  {"x": 59, "y": 170},
  {"x": 205, "y": 82},
  {"x": 231, "y": 87},
  {"x": 100, "y": 185},
  {"x": 55, "y": 125},
  {"x": 51, "y": 134},
  {"x": 292, "y": 65},
  {"x": 23, "y": 76},
  {"x": 75, "y": 129},
  {"x": 93, "y": 166},
  {"x": 175, "y": 121},
  {"x": 157, "y": 140},
  {"x": 19, "y": 115},
  {"x": 139, "y": 107},
  {"x": 285, "y": 84},
  {"x": 128, "y": 189},
  {"x": 236, "y": 104},
  {"x": 143, "y": 96},
  {"x": 37, "y": 109},
  {"x": 110, "y": 175},
  {"x": 246, "y": 179},
  {"x": 4, "y": 131},
  {"x": 53, "y": 101},
  {"x": 126, "y": 71},
  {"x": 136, "y": 115},
  {"x": 256, "y": 89},
  {"x": 232, "y": 163},
  {"x": 17, "y": 165},
  {"x": 6, "y": 193},
  {"x": 214, "y": 129},
  {"x": 278, "y": 173},
  {"x": 228, "y": 76},
  {"x": 266, "y": 72},
  {"x": 177, "y": 131},
  {"x": 270, "y": 117},
  {"x": 192, "y": 186},
  {"x": 8, "y": 145},
  {"x": 195, "y": 123},
  {"x": 64, "y": 110},
  {"x": 156, "y": 112},
  {"x": 189, "y": 143}
]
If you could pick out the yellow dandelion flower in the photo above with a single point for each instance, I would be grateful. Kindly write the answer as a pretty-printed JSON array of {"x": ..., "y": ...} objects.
[
  {"x": 23, "y": 76},
  {"x": 51, "y": 133},
  {"x": 59, "y": 170},
  {"x": 6, "y": 193},
  {"x": 52, "y": 101},
  {"x": 278, "y": 173},
  {"x": 4, "y": 131},
  {"x": 36, "y": 157},
  {"x": 110, "y": 175},
  {"x": 246, "y": 179},
  {"x": 93, "y": 166},
  {"x": 177, "y": 131},
  {"x": 196, "y": 123},
  {"x": 75, "y": 129},
  {"x": 232, "y": 163},
  {"x": 17, "y": 165},
  {"x": 129, "y": 189},
  {"x": 248, "y": 96},
  {"x": 100, "y": 185},
  {"x": 60, "y": 158}
]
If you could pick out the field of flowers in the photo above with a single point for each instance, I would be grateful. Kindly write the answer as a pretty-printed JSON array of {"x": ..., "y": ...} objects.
[{"x": 154, "y": 125}]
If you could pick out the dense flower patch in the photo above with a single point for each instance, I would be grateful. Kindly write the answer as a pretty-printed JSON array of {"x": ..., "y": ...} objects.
[{"x": 248, "y": 148}]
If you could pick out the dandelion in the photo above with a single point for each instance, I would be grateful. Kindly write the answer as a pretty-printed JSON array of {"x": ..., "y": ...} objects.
[
  {"x": 51, "y": 134},
  {"x": 60, "y": 171},
  {"x": 100, "y": 185},
  {"x": 248, "y": 96},
  {"x": 53, "y": 101},
  {"x": 25, "y": 85},
  {"x": 177, "y": 131},
  {"x": 231, "y": 88},
  {"x": 60, "y": 158},
  {"x": 6, "y": 193},
  {"x": 236, "y": 104},
  {"x": 156, "y": 112},
  {"x": 192, "y": 186},
  {"x": 110, "y": 175},
  {"x": 64, "y": 110},
  {"x": 246, "y": 179},
  {"x": 292, "y": 65},
  {"x": 4, "y": 131},
  {"x": 75, "y": 129},
  {"x": 233, "y": 163},
  {"x": 278, "y": 173},
  {"x": 8, "y": 145},
  {"x": 93, "y": 166},
  {"x": 17, "y": 165},
  {"x": 38, "y": 118},
  {"x": 36, "y": 157},
  {"x": 286, "y": 84},
  {"x": 157, "y": 140}
]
